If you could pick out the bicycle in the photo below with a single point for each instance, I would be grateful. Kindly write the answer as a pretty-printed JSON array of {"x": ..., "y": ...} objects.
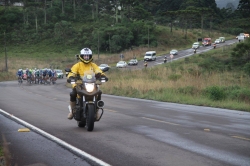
[
  {"x": 20, "y": 80},
  {"x": 28, "y": 81}
]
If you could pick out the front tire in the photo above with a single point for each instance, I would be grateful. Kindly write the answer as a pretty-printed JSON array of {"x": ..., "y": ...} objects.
[{"x": 90, "y": 117}]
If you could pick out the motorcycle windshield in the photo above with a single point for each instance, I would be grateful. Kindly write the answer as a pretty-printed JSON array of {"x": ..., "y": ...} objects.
[{"x": 89, "y": 76}]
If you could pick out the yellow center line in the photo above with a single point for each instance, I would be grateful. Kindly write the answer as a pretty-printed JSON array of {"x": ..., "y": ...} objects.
[
  {"x": 109, "y": 110},
  {"x": 161, "y": 121},
  {"x": 241, "y": 138}
]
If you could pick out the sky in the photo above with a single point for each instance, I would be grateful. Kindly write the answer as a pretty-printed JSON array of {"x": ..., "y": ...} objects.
[{"x": 223, "y": 3}]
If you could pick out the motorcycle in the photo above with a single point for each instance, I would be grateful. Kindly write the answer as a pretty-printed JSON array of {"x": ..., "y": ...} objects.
[
  {"x": 87, "y": 88},
  {"x": 165, "y": 60}
]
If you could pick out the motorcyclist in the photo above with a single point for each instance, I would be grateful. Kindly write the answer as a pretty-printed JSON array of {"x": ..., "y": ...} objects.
[
  {"x": 85, "y": 64},
  {"x": 195, "y": 50},
  {"x": 145, "y": 64},
  {"x": 214, "y": 45},
  {"x": 165, "y": 59}
]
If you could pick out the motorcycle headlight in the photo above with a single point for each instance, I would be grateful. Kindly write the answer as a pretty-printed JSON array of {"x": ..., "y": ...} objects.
[{"x": 89, "y": 87}]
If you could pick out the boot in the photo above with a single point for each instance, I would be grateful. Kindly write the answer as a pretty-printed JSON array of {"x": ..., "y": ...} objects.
[{"x": 72, "y": 105}]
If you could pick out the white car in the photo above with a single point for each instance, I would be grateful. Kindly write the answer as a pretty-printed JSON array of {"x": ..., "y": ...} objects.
[
  {"x": 196, "y": 45},
  {"x": 121, "y": 64},
  {"x": 217, "y": 41},
  {"x": 104, "y": 67},
  {"x": 133, "y": 62},
  {"x": 59, "y": 73},
  {"x": 174, "y": 52}
]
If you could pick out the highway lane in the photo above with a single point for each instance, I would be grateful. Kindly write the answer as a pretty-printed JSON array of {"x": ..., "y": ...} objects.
[{"x": 136, "y": 132}]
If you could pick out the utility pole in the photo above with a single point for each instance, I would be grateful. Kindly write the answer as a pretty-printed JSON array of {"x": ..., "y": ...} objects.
[
  {"x": 148, "y": 37},
  {"x": 6, "y": 64},
  {"x": 98, "y": 44}
]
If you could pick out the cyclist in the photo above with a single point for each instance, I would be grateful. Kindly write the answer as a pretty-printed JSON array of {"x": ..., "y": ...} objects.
[
  {"x": 37, "y": 76},
  {"x": 20, "y": 74},
  {"x": 45, "y": 71}
]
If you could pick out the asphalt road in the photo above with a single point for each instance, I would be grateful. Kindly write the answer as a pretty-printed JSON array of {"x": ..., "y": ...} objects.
[
  {"x": 132, "y": 132},
  {"x": 182, "y": 54}
]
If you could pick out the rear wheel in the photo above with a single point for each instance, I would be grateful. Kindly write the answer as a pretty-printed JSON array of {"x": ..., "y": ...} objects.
[
  {"x": 90, "y": 117},
  {"x": 28, "y": 81},
  {"x": 19, "y": 80}
]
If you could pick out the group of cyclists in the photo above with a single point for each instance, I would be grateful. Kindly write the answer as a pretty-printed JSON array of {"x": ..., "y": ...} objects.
[{"x": 37, "y": 76}]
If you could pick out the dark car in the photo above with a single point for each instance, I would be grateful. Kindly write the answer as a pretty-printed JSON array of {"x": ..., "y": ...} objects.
[
  {"x": 104, "y": 67},
  {"x": 133, "y": 62}
]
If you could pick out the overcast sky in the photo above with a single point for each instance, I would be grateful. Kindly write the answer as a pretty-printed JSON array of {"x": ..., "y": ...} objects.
[{"x": 223, "y": 3}]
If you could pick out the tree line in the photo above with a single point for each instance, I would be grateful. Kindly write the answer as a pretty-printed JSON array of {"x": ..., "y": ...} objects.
[{"x": 113, "y": 25}]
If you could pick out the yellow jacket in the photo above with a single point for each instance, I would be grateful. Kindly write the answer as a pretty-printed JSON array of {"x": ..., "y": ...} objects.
[{"x": 80, "y": 68}]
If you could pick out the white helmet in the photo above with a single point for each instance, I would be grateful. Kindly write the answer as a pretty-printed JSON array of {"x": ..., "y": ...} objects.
[{"x": 86, "y": 55}]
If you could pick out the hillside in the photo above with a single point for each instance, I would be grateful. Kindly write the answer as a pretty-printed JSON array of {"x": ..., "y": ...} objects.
[{"x": 45, "y": 55}]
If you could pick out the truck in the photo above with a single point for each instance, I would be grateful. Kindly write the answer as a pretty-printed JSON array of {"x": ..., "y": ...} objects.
[{"x": 207, "y": 41}]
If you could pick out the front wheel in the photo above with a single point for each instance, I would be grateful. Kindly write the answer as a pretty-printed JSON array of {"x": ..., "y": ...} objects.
[{"x": 90, "y": 117}]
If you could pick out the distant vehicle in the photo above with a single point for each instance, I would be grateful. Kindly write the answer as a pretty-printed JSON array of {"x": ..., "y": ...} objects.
[
  {"x": 241, "y": 35},
  {"x": 174, "y": 52},
  {"x": 104, "y": 67},
  {"x": 59, "y": 73},
  {"x": 196, "y": 45},
  {"x": 217, "y": 41},
  {"x": 207, "y": 42},
  {"x": 150, "y": 56},
  {"x": 222, "y": 39},
  {"x": 246, "y": 34},
  {"x": 133, "y": 62},
  {"x": 121, "y": 64}
]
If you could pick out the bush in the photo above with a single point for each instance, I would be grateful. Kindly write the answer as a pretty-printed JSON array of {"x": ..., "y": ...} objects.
[
  {"x": 246, "y": 68},
  {"x": 215, "y": 93},
  {"x": 189, "y": 90},
  {"x": 238, "y": 93},
  {"x": 174, "y": 77}
]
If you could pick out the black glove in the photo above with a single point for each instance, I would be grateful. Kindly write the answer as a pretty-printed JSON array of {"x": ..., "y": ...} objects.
[
  {"x": 98, "y": 75},
  {"x": 70, "y": 78}
]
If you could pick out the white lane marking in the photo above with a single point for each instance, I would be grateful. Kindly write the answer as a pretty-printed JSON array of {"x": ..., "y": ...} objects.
[
  {"x": 241, "y": 137},
  {"x": 57, "y": 140}
]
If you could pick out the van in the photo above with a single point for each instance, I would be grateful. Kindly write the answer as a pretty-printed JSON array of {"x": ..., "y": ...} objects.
[
  {"x": 150, "y": 56},
  {"x": 207, "y": 42},
  {"x": 222, "y": 39}
]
